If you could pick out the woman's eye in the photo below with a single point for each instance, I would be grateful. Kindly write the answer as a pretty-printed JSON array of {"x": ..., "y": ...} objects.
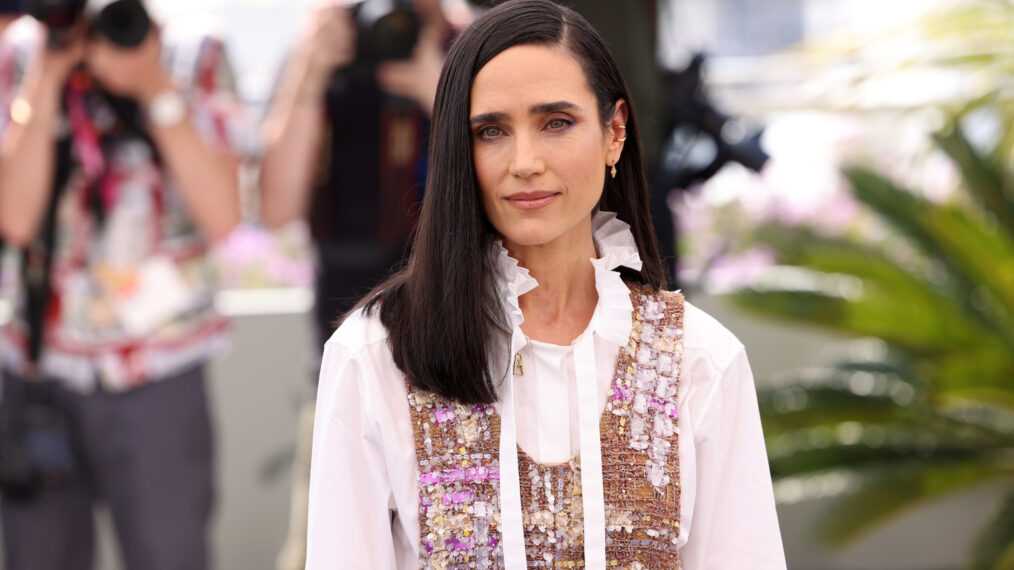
[
  {"x": 558, "y": 123},
  {"x": 490, "y": 132}
]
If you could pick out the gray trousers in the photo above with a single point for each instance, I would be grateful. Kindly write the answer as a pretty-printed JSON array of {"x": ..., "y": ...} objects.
[{"x": 148, "y": 454}]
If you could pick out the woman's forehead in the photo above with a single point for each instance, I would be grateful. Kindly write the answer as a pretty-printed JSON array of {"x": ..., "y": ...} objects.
[{"x": 526, "y": 75}]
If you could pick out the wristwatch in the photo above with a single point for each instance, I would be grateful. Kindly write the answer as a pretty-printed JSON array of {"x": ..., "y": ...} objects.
[
  {"x": 167, "y": 109},
  {"x": 21, "y": 111}
]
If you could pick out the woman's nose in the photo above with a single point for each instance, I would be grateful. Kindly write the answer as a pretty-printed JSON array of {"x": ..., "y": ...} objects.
[{"x": 527, "y": 159}]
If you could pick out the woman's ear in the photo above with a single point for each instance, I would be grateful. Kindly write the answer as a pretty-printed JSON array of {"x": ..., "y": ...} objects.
[{"x": 616, "y": 130}]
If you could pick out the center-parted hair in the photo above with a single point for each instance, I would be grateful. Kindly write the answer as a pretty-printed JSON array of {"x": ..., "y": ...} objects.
[{"x": 442, "y": 309}]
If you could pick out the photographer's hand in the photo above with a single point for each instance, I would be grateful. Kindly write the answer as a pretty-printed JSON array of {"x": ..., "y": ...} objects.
[
  {"x": 133, "y": 72},
  {"x": 207, "y": 178},
  {"x": 327, "y": 43},
  {"x": 294, "y": 128},
  {"x": 27, "y": 151},
  {"x": 417, "y": 78}
]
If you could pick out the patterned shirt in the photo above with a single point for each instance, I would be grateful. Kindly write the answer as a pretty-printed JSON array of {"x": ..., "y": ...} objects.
[{"x": 109, "y": 264}]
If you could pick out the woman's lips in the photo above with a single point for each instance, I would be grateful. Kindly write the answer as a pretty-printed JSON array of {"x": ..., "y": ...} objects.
[{"x": 531, "y": 200}]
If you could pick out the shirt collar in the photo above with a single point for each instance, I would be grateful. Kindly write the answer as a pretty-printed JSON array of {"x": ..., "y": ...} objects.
[{"x": 616, "y": 247}]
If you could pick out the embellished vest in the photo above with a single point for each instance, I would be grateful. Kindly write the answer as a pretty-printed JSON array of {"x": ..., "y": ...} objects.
[{"x": 457, "y": 449}]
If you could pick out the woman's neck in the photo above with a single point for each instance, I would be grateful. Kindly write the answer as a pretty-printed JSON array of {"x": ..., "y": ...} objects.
[{"x": 560, "y": 308}]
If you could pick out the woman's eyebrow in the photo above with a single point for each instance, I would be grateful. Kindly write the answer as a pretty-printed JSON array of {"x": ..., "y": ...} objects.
[
  {"x": 540, "y": 109},
  {"x": 551, "y": 107},
  {"x": 494, "y": 117}
]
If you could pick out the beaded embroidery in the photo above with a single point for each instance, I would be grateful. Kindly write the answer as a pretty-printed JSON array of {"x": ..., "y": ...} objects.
[{"x": 457, "y": 454}]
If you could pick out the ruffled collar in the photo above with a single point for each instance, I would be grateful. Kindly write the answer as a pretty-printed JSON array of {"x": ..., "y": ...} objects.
[{"x": 611, "y": 320}]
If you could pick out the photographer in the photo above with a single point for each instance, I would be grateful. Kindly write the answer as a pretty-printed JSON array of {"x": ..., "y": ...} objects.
[
  {"x": 345, "y": 144},
  {"x": 345, "y": 148},
  {"x": 116, "y": 175}
]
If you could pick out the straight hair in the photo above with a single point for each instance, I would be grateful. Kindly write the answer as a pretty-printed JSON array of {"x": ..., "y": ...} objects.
[{"x": 441, "y": 311}]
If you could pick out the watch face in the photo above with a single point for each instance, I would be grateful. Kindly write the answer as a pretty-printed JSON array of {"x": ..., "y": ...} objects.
[
  {"x": 21, "y": 111},
  {"x": 167, "y": 109}
]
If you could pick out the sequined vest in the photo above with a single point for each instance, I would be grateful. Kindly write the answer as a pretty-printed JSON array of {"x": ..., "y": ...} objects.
[{"x": 457, "y": 449}]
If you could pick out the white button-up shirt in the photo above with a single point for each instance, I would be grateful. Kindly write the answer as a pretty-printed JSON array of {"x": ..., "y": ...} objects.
[{"x": 364, "y": 484}]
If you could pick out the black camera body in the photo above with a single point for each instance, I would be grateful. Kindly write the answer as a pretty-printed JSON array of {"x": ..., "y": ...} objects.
[
  {"x": 37, "y": 449},
  {"x": 10, "y": 7},
  {"x": 693, "y": 121},
  {"x": 124, "y": 22},
  {"x": 387, "y": 30}
]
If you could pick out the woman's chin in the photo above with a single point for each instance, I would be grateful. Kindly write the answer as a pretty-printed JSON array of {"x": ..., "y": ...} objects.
[
  {"x": 532, "y": 238},
  {"x": 546, "y": 232}
]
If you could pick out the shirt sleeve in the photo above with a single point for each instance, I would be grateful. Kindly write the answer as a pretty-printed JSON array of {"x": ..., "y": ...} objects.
[
  {"x": 200, "y": 62},
  {"x": 351, "y": 500},
  {"x": 735, "y": 523}
]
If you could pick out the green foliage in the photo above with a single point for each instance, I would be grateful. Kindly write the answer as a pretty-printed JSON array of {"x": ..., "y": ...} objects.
[
  {"x": 994, "y": 550},
  {"x": 929, "y": 409},
  {"x": 985, "y": 178}
]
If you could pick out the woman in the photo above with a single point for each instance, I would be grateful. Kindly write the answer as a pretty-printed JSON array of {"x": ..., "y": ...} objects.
[{"x": 524, "y": 393}]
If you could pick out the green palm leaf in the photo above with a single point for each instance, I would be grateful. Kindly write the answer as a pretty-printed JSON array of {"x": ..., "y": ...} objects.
[
  {"x": 985, "y": 408},
  {"x": 899, "y": 320},
  {"x": 857, "y": 445},
  {"x": 931, "y": 301},
  {"x": 988, "y": 367},
  {"x": 848, "y": 392},
  {"x": 803, "y": 247},
  {"x": 998, "y": 402},
  {"x": 994, "y": 548},
  {"x": 984, "y": 178},
  {"x": 967, "y": 247}
]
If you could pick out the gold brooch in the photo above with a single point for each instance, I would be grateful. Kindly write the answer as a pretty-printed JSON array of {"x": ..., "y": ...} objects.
[{"x": 519, "y": 365}]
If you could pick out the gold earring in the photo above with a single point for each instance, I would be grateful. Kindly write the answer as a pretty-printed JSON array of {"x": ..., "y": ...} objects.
[{"x": 613, "y": 171}]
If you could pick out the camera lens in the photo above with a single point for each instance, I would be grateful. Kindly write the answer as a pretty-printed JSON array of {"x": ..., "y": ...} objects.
[
  {"x": 394, "y": 35},
  {"x": 388, "y": 30},
  {"x": 55, "y": 14},
  {"x": 123, "y": 22}
]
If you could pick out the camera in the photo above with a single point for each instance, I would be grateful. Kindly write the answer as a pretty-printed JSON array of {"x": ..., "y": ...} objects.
[
  {"x": 123, "y": 22},
  {"x": 702, "y": 139},
  {"x": 388, "y": 30},
  {"x": 10, "y": 7},
  {"x": 37, "y": 450}
]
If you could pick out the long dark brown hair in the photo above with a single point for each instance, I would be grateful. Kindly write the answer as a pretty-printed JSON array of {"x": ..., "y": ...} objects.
[{"x": 442, "y": 309}]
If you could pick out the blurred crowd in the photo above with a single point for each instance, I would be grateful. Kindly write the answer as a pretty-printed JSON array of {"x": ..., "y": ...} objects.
[{"x": 120, "y": 148}]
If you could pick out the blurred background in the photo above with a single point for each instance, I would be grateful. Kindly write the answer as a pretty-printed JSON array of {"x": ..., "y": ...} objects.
[{"x": 836, "y": 180}]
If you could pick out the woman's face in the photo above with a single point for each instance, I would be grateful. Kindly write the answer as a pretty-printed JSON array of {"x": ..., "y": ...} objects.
[{"x": 539, "y": 147}]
